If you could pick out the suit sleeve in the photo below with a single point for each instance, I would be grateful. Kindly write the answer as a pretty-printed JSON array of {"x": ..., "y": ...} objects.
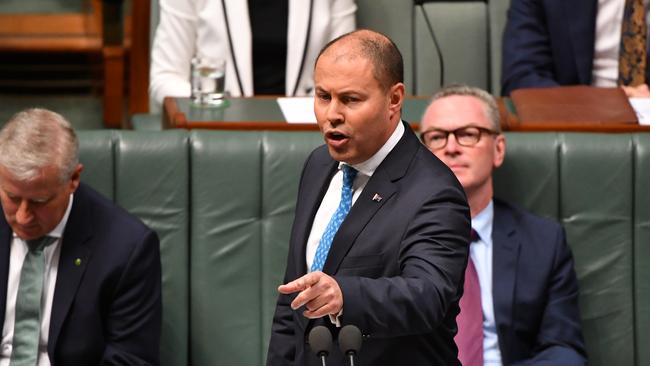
[
  {"x": 560, "y": 340},
  {"x": 134, "y": 315},
  {"x": 432, "y": 259},
  {"x": 527, "y": 59}
]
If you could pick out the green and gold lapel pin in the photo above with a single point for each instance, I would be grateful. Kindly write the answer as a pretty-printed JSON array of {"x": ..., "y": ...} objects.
[{"x": 77, "y": 262}]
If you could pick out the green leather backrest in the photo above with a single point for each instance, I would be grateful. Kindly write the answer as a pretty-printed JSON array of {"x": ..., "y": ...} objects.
[
  {"x": 244, "y": 187},
  {"x": 222, "y": 203},
  {"x": 461, "y": 28},
  {"x": 97, "y": 156},
  {"x": 642, "y": 246},
  {"x": 586, "y": 182},
  {"x": 147, "y": 174}
]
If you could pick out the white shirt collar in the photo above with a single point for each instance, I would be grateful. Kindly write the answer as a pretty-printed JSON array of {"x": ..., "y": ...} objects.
[
  {"x": 369, "y": 166},
  {"x": 482, "y": 223}
]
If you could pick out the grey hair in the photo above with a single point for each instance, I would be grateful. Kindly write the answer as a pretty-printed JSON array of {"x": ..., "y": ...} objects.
[
  {"x": 37, "y": 138},
  {"x": 490, "y": 104}
]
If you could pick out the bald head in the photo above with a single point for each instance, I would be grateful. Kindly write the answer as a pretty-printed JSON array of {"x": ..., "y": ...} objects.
[{"x": 388, "y": 66}]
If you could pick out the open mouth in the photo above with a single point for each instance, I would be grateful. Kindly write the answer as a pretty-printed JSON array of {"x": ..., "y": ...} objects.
[{"x": 336, "y": 136}]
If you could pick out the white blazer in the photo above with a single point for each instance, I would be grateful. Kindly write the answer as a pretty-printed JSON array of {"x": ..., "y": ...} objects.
[{"x": 188, "y": 27}]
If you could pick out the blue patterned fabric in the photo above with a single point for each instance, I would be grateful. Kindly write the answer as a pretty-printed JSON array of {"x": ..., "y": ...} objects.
[{"x": 349, "y": 173}]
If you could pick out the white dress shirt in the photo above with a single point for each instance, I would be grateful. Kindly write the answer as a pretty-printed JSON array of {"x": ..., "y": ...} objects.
[
  {"x": 332, "y": 197},
  {"x": 609, "y": 20},
  {"x": 481, "y": 254},
  {"x": 17, "y": 257}
]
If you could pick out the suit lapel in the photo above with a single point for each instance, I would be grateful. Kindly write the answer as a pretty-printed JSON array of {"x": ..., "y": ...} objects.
[
  {"x": 75, "y": 254},
  {"x": 582, "y": 33},
  {"x": 5, "y": 245},
  {"x": 505, "y": 257},
  {"x": 382, "y": 182}
]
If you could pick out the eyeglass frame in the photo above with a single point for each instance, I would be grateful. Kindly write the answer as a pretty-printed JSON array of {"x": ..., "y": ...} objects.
[{"x": 481, "y": 131}]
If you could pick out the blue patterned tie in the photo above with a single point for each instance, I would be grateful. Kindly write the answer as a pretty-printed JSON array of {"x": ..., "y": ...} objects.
[{"x": 349, "y": 173}]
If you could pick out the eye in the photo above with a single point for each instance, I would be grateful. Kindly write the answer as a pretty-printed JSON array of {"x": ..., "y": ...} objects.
[
  {"x": 467, "y": 132},
  {"x": 438, "y": 136},
  {"x": 323, "y": 96},
  {"x": 349, "y": 99}
]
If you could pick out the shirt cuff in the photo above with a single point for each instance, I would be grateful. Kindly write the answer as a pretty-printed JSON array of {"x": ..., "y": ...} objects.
[{"x": 336, "y": 319}]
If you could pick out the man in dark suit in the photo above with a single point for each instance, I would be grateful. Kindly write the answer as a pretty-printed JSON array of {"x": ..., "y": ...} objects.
[
  {"x": 97, "y": 273},
  {"x": 395, "y": 265},
  {"x": 528, "y": 286},
  {"x": 557, "y": 42}
]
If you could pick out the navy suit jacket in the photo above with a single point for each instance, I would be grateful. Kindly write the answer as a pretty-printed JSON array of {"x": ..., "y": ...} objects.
[
  {"x": 107, "y": 308},
  {"x": 548, "y": 43},
  {"x": 535, "y": 291},
  {"x": 398, "y": 261}
]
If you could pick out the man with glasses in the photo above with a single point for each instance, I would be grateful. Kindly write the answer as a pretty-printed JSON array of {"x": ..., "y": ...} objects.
[{"x": 520, "y": 273}]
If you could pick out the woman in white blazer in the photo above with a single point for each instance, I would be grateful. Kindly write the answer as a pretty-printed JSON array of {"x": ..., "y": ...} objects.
[{"x": 221, "y": 28}]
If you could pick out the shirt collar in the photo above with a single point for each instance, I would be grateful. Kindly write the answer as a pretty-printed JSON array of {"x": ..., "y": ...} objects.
[
  {"x": 482, "y": 223},
  {"x": 369, "y": 166}
]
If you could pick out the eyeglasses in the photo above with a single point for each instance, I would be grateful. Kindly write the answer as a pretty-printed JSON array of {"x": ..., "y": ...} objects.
[{"x": 467, "y": 136}]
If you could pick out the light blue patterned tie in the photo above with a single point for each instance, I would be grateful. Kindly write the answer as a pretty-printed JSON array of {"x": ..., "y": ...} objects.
[{"x": 349, "y": 173}]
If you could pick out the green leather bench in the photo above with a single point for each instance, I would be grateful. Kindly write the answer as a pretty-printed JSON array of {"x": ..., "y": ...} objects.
[{"x": 222, "y": 203}]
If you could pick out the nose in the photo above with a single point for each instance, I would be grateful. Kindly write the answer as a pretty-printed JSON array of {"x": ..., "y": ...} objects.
[
  {"x": 24, "y": 213},
  {"x": 452, "y": 147},
  {"x": 334, "y": 115}
]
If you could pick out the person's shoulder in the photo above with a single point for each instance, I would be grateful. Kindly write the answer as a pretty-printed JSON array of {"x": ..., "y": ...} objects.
[
  {"x": 536, "y": 231},
  {"x": 107, "y": 214},
  {"x": 523, "y": 216}
]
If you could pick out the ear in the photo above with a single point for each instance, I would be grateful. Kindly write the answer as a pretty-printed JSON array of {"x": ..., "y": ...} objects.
[
  {"x": 396, "y": 98},
  {"x": 75, "y": 178},
  {"x": 499, "y": 150}
]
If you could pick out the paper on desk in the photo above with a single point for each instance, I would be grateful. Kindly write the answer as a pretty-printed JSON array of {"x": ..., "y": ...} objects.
[
  {"x": 298, "y": 109},
  {"x": 642, "y": 108}
]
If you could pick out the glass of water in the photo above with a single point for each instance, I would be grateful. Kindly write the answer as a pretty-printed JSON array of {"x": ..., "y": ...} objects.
[{"x": 208, "y": 80}]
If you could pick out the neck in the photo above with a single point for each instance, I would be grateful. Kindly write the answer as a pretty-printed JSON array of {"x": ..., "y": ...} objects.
[{"x": 479, "y": 199}]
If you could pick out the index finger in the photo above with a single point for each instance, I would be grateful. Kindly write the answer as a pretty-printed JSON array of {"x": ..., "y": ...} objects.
[{"x": 299, "y": 284}]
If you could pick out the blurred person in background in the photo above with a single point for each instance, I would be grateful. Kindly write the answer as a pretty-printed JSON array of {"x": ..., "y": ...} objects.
[{"x": 269, "y": 45}]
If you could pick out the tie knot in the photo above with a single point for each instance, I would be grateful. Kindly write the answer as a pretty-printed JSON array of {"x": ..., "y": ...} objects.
[
  {"x": 349, "y": 173},
  {"x": 36, "y": 245},
  {"x": 473, "y": 236}
]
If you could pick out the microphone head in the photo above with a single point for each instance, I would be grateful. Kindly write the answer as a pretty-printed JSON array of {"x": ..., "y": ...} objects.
[
  {"x": 320, "y": 340},
  {"x": 350, "y": 339}
]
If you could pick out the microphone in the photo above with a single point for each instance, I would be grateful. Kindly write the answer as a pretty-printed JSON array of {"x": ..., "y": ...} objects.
[
  {"x": 350, "y": 341},
  {"x": 320, "y": 341}
]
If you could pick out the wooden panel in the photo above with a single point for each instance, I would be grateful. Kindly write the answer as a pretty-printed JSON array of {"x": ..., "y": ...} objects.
[{"x": 138, "y": 27}]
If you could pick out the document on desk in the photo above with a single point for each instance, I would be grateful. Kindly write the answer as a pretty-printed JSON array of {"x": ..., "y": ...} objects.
[
  {"x": 298, "y": 109},
  {"x": 642, "y": 108}
]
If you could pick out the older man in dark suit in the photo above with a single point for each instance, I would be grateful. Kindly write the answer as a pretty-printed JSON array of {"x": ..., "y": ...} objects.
[
  {"x": 79, "y": 277},
  {"x": 394, "y": 266}
]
